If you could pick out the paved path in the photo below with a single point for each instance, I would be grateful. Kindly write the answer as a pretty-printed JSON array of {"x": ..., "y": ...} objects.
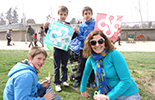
[{"x": 147, "y": 46}]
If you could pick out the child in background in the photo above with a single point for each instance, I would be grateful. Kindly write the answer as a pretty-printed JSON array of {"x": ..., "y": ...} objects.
[
  {"x": 84, "y": 29},
  {"x": 35, "y": 39},
  {"x": 8, "y": 37},
  {"x": 23, "y": 79}
]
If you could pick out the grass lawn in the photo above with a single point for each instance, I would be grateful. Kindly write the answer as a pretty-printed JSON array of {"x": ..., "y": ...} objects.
[{"x": 141, "y": 66}]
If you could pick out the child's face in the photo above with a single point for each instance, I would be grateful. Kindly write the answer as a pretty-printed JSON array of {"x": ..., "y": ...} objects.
[
  {"x": 87, "y": 15},
  {"x": 62, "y": 16},
  {"x": 38, "y": 60}
]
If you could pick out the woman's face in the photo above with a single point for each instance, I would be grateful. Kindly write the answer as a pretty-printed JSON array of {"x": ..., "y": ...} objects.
[{"x": 97, "y": 43}]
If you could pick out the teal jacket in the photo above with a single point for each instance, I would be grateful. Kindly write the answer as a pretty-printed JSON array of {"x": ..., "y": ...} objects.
[{"x": 117, "y": 74}]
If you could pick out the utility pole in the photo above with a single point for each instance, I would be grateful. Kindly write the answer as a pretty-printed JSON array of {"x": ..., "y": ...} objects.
[
  {"x": 24, "y": 17},
  {"x": 147, "y": 11}
]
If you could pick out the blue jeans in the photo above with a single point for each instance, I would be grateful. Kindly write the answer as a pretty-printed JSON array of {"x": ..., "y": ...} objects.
[
  {"x": 41, "y": 40},
  {"x": 43, "y": 91},
  {"x": 31, "y": 40},
  {"x": 131, "y": 97}
]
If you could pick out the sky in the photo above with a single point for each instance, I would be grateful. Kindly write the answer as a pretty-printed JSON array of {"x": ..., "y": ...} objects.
[{"x": 39, "y": 9}]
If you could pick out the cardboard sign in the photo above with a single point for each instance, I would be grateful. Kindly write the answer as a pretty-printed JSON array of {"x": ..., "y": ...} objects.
[
  {"x": 109, "y": 24},
  {"x": 59, "y": 35}
]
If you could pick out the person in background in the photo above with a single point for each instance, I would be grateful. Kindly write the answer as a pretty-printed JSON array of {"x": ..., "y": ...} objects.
[
  {"x": 84, "y": 29},
  {"x": 30, "y": 32},
  {"x": 42, "y": 36},
  {"x": 112, "y": 75},
  {"x": 8, "y": 37},
  {"x": 46, "y": 27},
  {"x": 23, "y": 79},
  {"x": 35, "y": 39},
  {"x": 119, "y": 37}
]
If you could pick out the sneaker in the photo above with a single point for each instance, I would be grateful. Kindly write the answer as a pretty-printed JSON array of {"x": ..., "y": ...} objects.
[
  {"x": 65, "y": 84},
  {"x": 92, "y": 85},
  {"x": 58, "y": 88},
  {"x": 76, "y": 84}
]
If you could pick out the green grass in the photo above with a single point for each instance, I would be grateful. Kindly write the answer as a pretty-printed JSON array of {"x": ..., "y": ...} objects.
[{"x": 141, "y": 66}]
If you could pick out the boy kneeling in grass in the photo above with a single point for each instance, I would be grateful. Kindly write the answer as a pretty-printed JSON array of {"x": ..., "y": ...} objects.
[{"x": 23, "y": 79}]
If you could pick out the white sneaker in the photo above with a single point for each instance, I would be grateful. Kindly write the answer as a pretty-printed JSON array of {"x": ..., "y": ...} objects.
[
  {"x": 65, "y": 84},
  {"x": 58, "y": 88}
]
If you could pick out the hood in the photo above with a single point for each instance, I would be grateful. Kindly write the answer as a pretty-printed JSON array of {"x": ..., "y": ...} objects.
[{"x": 23, "y": 65}]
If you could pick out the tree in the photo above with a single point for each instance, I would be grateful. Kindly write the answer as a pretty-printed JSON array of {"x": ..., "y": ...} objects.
[
  {"x": 12, "y": 15},
  {"x": 48, "y": 17},
  {"x": 142, "y": 11},
  {"x": 2, "y": 21},
  {"x": 15, "y": 16},
  {"x": 30, "y": 21},
  {"x": 138, "y": 8},
  {"x": 73, "y": 21},
  {"x": 9, "y": 16}
]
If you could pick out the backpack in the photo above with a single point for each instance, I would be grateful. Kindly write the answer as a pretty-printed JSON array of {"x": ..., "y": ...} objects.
[{"x": 31, "y": 31}]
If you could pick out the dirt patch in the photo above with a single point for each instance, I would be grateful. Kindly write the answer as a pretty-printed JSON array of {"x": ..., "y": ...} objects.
[{"x": 149, "y": 82}]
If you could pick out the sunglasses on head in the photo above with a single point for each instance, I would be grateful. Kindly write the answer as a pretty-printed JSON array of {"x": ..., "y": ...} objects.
[{"x": 100, "y": 41}]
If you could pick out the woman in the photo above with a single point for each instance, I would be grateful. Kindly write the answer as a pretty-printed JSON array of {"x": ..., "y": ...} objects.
[{"x": 112, "y": 75}]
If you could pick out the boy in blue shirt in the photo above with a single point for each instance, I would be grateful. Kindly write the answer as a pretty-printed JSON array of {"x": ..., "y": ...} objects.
[
  {"x": 84, "y": 29},
  {"x": 23, "y": 79}
]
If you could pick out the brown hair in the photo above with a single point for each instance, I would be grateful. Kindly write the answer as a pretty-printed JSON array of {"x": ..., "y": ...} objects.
[
  {"x": 37, "y": 50},
  {"x": 87, "y": 51},
  {"x": 10, "y": 29},
  {"x": 62, "y": 9},
  {"x": 86, "y": 9}
]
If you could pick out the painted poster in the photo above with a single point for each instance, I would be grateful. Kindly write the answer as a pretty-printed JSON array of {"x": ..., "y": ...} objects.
[
  {"x": 59, "y": 35},
  {"x": 109, "y": 24}
]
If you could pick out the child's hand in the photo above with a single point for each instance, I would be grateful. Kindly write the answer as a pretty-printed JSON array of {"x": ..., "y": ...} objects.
[
  {"x": 76, "y": 30},
  {"x": 48, "y": 79},
  {"x": 49, "y": 96},
  {"x": 47, "y": 82}
]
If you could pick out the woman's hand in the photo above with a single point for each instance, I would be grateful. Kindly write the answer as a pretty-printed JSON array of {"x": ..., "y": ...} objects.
[
  {"x": 100, "y": 97},
  {"x": 85, "y": 94}
]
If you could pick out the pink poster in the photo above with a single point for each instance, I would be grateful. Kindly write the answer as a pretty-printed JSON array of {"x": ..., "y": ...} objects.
[{"x": 109, "y": 24}]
